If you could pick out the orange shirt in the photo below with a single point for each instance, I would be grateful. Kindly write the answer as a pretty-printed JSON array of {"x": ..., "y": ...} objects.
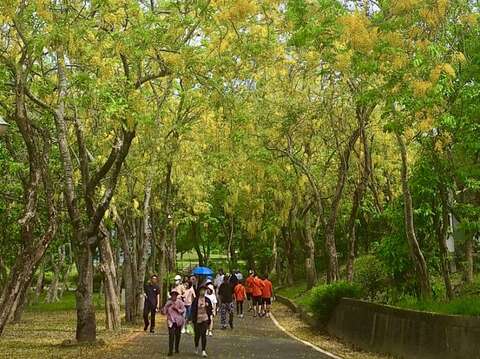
[
  {"x": 257, "y": 287},
  {"x": 267, "y": 289},
  {"x": 239, "y": 292},
  {"x": 249, "y": 284}
]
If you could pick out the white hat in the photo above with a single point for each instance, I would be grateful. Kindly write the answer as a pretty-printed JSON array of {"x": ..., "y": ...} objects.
[{"x": 177, "y": 277}]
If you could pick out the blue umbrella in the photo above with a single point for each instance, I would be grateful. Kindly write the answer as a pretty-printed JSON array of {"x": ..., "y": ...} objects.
[{"x": 202, "y": 271}]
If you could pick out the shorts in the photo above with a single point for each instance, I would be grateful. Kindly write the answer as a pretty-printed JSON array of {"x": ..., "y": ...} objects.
[
  {"x": 257, "y": 300},
  {"x": 267, "y": 301},
  {"x": 249, "y": 296}
]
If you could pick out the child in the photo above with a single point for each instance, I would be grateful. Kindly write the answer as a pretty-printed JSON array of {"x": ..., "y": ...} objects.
[
  {"x": 267, "y": 294},
  {"x": 240, "y": 293},
  {"x": 188, "y": 296},
  {"x": 174, "y": 310}
]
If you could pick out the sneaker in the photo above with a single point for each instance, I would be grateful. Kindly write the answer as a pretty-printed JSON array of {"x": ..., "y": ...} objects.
[
  {"x": 204, "y": 354},
  {"x": 241, "y": 315},
  {"x": 152, "y": 331},
  {"x": 196, "y": 351},
  {"x": 145, "y": 328}
]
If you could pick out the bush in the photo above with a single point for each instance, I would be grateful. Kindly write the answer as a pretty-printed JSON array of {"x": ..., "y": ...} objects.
[
  {"x": 371, "y": 275},
  {"x": 324, "y": 298}
]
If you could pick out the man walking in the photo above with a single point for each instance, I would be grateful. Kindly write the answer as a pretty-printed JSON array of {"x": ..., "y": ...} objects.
[
  {"x": 152, "y": 303},
  {"x": 225, "y": 294}
]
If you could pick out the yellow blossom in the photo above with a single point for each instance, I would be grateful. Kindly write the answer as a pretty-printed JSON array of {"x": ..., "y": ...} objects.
[{"x": 421, "y": 87}]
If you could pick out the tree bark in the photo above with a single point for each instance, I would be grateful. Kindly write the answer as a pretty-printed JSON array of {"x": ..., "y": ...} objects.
[
  {"x": 310, "y": 271},
  {"x": 469, "y": 257},
  {"x": 112, "y": 299},
  {"x": 40, "y": 283},
  {"x": 129, "y": 270},
  {"x": 415, "y": 250},
  {"x": 33, "y": 247},
  {"x": 442, "y": 230},
  {"x": 145, "y": 247},
  {"x": 357, "y": 198}
]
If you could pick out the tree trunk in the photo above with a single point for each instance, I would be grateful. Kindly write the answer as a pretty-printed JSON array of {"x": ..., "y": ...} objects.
[
  {"x": 34, "y": 248},
  {"x": 86, "y": 322},
  {"x": 333, "y": 273},
  {"x": 357, "y": 200},
  {"x": 40, "y": 283},
  {"x": 469, "y": 257},
  {"x": 52, "y": 295},
  {"x": 442, "y": 230},
  {"x": 129, "y": 268},
  {"x": 287, "y": 239},
  {"x": 310, "y": 271},
  {"x": 415, "y": 250},
  {"x": 112, "y": 300},
  {"x": 20, "y": 306},
  {"x": 145, "y": 245}
]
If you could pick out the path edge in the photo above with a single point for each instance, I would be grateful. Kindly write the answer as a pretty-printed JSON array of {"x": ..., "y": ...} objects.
[{"x": 293, "y": 336}]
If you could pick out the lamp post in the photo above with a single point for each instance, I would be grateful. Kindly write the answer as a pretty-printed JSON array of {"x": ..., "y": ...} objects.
[{"x": 3, "y": 126}]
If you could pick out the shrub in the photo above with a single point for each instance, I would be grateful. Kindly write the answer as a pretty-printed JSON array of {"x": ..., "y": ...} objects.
[
  {"x": 370, "y": 274},
  {"x": 324, "y": 298}
]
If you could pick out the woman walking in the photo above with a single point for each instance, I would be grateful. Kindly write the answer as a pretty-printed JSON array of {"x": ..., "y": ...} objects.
[
  {"x": 202, "y": 312},
  {"x": 174, "y": 310}
]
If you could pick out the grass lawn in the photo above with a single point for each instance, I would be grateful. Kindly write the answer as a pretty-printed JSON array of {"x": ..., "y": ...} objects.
[
  {"x": 45, "y": 326},
  {"x": 298, "y": 294},
  {"x": 458, "y": 306}
]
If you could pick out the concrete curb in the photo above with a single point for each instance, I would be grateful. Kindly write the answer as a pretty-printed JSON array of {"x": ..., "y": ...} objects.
[{"x": 313, "y": 346}]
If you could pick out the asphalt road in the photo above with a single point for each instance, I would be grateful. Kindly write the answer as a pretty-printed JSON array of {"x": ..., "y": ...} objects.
[{"x": 250, "y": 338}]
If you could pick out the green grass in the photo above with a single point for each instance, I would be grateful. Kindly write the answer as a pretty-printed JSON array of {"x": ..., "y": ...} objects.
[
  {"x": 45, "y": 326},
  {"x": 298, "y": 294},
  {"x": 67, "y": 302},
  {"x": 469, "y": 305}
]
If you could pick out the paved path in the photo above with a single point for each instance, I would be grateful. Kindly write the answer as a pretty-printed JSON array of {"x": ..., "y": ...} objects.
[{"x": 251, "y": 338}]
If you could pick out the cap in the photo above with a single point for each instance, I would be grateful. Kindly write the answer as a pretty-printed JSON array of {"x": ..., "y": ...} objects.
[{"x": 177, "y": 277}]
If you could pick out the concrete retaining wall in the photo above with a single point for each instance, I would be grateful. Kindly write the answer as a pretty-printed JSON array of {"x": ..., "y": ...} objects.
[{"x": 405, "y": 333}]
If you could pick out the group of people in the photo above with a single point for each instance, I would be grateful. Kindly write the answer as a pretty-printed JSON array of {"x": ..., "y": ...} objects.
[{"x": 195, "y": 301}]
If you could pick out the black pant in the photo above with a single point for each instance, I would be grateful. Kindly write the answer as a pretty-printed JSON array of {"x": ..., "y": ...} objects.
[
  {"x": 240, "y": 307},
  {"x": 201, "y": 332},
  {"x": 174, "y": 334},
  {"x": 148, "y": 308}
]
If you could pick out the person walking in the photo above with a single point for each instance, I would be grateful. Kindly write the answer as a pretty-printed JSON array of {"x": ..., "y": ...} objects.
[
  {"x": 257, "y": 295},
  {"x": 210, "y": 294},
  {"x": 202, "y": 312},
  {"x": 174, "y": 309},
  {"x": 225, "y": 294},
  {"x": 188, "y": 296},
  {"x": 249, "y": 289},
  {"x": 240, "y": 294},
  {"x": 267, "y": 295},
  {"x": 152, "y": 303}
]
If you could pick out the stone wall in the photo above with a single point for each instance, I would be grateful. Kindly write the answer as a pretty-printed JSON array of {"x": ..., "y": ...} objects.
[{"x": 405, "y": 333}]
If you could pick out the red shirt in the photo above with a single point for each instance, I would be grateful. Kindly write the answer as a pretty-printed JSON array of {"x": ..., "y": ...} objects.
[
  {"x": 257, "y": 287},
  {"x": 267, "y": 289},
  {"x": 249, "y": 284},
  {"x": 239, "y": 292}
]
